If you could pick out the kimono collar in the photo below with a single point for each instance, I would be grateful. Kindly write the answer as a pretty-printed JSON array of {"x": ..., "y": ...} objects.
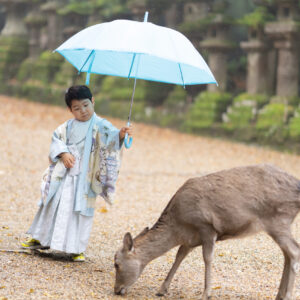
[{"x": 81, "y": 190}]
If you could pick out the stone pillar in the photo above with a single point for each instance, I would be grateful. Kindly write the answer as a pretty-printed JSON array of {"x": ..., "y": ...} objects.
[
  {"x": 35, "y": 21},
  {"x": 172, "y": 16},
  {"x": 258, "y": 77},
  {"x": 53, "y": 36},
  {"x": 287, "y": 68},
  {"x": 285, "y": 33},
  {"x": 13, "y": 40},
  {"x": 217, "y": 45}
]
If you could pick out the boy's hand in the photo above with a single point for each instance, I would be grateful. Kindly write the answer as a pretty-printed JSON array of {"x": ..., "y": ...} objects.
[
  {"x": 125, "y": 130},
  {"x": 68, "y": 159}
]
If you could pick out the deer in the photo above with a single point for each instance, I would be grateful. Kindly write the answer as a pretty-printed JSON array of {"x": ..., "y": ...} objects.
[{"x": 232, "y": 203}]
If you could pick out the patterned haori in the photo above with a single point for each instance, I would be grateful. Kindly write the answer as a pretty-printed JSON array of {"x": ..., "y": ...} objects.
[{"x": 98, "y": 169}]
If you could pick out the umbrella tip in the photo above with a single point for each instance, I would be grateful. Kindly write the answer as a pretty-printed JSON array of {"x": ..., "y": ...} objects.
[{"x": 146, "y": 16}]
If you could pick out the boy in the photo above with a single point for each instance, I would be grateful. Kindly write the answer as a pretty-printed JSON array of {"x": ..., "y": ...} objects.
[{"x": 84, "y": 162}]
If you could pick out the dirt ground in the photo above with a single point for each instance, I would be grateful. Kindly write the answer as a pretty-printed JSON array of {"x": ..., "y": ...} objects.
[{"x": 158, "y": 163}]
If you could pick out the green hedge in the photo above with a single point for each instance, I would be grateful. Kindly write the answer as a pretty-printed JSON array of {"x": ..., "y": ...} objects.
[
  {"x": 240, "y": 117},
  {"x": 206, "y": 112},
  {"x": 271, "y": 123}
]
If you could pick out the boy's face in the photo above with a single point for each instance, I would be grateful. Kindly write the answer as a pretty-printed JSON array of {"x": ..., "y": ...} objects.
[{"x": 82, "y": 110}]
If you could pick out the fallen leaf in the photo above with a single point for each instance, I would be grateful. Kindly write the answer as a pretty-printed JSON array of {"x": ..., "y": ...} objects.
[
  {"x": 103, "y": 210},
  {"x": 216, "y": 288}
]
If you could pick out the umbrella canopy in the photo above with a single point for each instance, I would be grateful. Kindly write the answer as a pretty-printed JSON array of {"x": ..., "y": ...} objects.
[{"x": 140, "y": 50}]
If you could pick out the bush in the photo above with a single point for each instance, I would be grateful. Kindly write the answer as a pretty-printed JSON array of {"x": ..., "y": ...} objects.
[
  {"x": 240, "y": 117},
  {"x": 294, "y": 126},
  {"x": 206, "y": 111},
  {"x": 120, "y": 89},
  {"x": 46, "y": 66},
  {"x": 271, "y": 121}
]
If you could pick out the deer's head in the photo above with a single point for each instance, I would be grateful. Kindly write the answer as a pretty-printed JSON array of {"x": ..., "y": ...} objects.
[{"x": 127, "y": 265}]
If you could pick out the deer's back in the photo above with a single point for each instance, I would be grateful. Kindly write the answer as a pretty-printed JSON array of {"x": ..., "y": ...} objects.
[{"x": 236, "y": 200}]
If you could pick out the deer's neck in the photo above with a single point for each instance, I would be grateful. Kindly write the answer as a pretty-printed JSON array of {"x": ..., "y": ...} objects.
[{"x": 154, "y": 244}]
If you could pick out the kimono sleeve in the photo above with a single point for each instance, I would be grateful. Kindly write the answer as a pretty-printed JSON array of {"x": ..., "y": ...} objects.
[
  {"x": 58, "y": 143},
  {"x": 111, "y": 136}
]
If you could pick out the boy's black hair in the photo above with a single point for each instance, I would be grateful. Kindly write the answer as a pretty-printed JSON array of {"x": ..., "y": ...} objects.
[{"x": 77, "y": 92}]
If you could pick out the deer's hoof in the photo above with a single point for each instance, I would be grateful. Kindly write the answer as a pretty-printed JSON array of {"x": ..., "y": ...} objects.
[{"x": 161, "y": 293}]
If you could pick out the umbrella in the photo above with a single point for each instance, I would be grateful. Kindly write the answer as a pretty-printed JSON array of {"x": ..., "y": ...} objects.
[{"x": 139, "y": 50}]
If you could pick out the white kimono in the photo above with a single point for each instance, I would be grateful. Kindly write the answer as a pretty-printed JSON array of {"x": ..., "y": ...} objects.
[{"x": 58, "y": 224}]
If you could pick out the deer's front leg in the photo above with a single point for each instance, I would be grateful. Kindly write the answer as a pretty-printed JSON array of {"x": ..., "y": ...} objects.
[
  {"x": 208, "y": 250},
  {"x": 183, "y": 251}
]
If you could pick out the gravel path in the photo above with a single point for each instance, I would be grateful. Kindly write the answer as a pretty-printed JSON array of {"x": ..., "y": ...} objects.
[{"x": 158, "y": 163}]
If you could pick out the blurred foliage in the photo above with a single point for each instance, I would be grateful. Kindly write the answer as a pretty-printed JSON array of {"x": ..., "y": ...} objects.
[
  {"x": 13, "y": 50},
  {"x": 245, "y": 117},
  {"x": 294, "y": 126},
  {"x": 271, "y": 123},
  {"x": 206, "y": 111},
  {"x": 257, "y": 18},
  {"x": 240, "y": 118}
]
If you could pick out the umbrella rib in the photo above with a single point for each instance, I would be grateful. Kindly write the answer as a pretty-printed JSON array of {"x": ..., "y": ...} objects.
[
  {"x": 86, "y": 61},
  {"x": 131, "y": 65},
  {"x": 181, "y": 75}
]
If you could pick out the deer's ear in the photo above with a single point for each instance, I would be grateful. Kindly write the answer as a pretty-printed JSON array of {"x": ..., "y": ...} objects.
[{"x": 127, "y": 242}]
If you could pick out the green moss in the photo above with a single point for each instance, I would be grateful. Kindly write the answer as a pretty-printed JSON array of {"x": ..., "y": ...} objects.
[
  {"x": 206, "y": 111},
  {"x": 294, "y": 126},
  {"x": 176, "y": 100},
  {"x": 240, "y": 117},
  {"x": 271, "y": 121},
  {"x": 257, "y": 18},
  {"x": 196, "y": 26},
  {"x": 13, "y": 50},
  {"x": 259, "y": 99},
  {"x": 120, "y": 89},
  {"x": 78, "y": 7},
  {"x": 46, "y": 66},
  {"x": 119, "y": 109}
]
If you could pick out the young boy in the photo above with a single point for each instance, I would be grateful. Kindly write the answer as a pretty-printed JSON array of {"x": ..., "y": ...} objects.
[{"x": 84, "y": 162}]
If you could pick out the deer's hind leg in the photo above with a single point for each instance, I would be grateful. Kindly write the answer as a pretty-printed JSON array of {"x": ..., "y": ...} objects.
[
  {"x": 291, "y": 251},
  {"x": 183, "y": 251}
]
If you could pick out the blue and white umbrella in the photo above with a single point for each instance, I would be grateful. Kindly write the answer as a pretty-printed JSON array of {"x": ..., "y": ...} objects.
[{"x": 139, "y": 50}]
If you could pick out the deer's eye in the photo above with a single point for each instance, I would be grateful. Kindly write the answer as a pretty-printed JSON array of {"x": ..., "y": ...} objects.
[{"x": 116, "y": 266}]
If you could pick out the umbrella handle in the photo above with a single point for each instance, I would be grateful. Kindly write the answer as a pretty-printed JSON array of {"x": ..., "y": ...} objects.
[{"x": 127, "y": 141}]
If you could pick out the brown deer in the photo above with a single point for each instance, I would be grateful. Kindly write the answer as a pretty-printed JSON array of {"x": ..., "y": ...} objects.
[{"x": 227, "y": 204}]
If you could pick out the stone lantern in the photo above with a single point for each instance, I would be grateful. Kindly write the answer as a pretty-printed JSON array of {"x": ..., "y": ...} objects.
[
  {"x": 53, "y": 36},
  {"x": 218, "y": 44},
  {"x": 194, "y": 16},
  {"x": 137, "y": 8},
  {"x": 15, "y": 13},
  {"x": 195, "y": 10},
  {"x": 260, "y": 57},
  {"x": 35, "y": 21},
  {"x": 285, "y": 34},
  {"x": 13, "y": 38}
]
